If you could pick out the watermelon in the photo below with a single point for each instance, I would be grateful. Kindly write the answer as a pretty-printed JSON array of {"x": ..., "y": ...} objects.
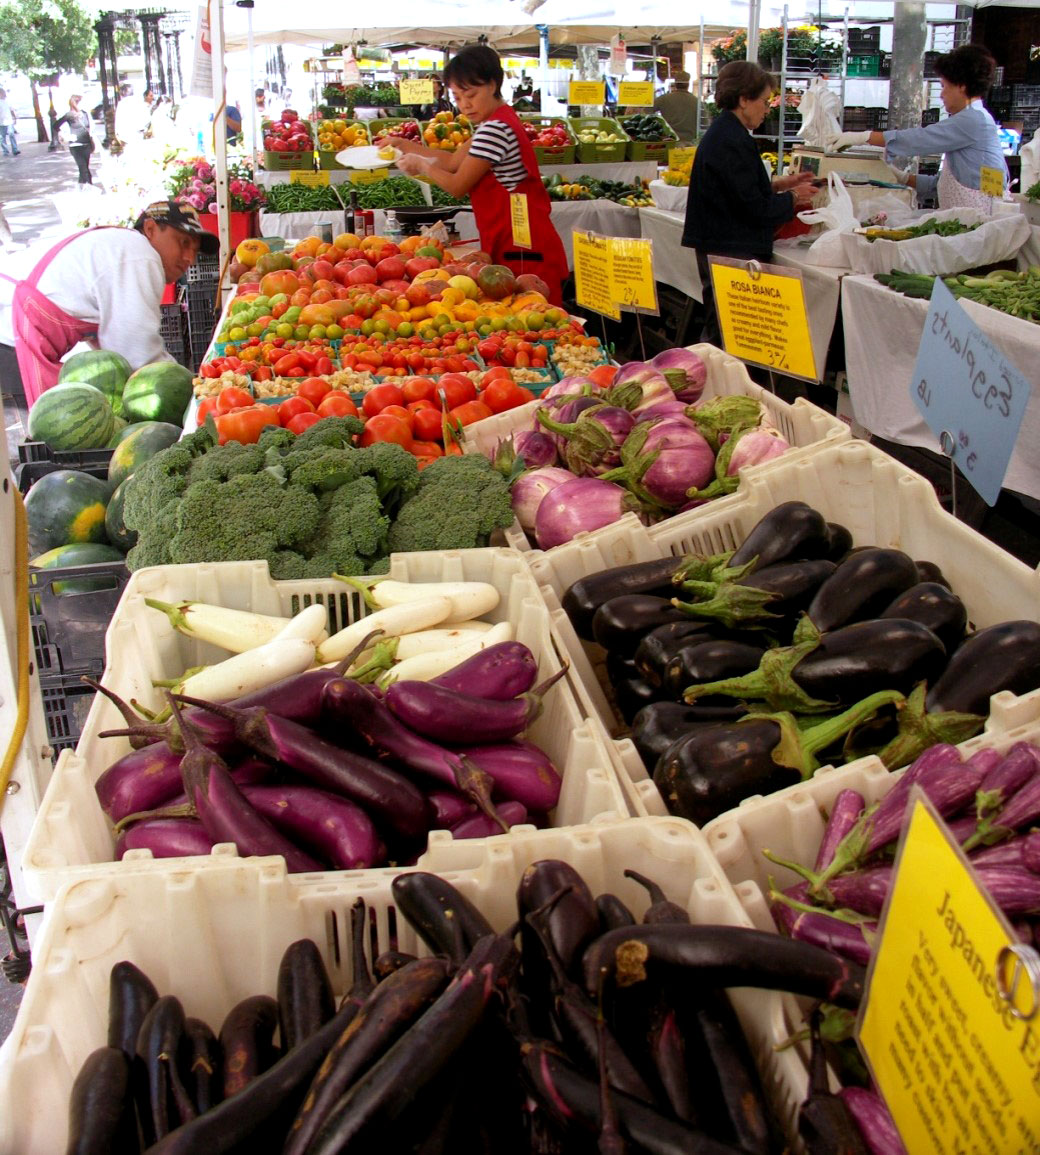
[
  {"x": 85, "y": 553},
  {"x": 105, "y": 371},
  {"x": 145, "y": 440},
  {"x": 66, "y": 506},
  {"x": 117, "y": 532},
  {"x": 158, "y": 392},
  {"x": 72, "y": 416},
  {"x": 121, "y": 424}
]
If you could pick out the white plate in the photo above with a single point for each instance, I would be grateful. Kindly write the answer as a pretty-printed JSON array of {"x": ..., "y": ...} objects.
[{"x": 367, "y": 156}]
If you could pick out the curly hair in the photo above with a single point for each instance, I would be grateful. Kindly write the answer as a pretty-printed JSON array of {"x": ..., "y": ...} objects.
[{"x": 970, "y": 65}]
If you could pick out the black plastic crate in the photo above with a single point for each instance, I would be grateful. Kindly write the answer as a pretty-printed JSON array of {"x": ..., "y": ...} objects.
[
  {"x": 205, "y": 268},
  {"x": 864, "y": 39},
  {"x": 66, "y": 703},
  {"x": 29, "y": 472},
  {"x": 884, "y": 64},
  {"x": 1026, "y": 94},
  {"x": 929, "y": 116},
  {"x": 171, "y": 329},
  {"x": 68, "y": 628},
  {"x": 64, "y": 458}
]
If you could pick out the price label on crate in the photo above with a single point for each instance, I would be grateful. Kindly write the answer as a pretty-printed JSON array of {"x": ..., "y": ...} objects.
[
  {"x": 311, "y": 179},
  {"x": 592, "y": 274},
  {"x": 971, "y": 397},
  {"x": 991, "y": 182},
  {"x": 585, "y": 92},
  {"x": 520, "y": 220},
  {"x": 416, "y": 91},
  {"x": 638, "y": 93},
  {"x": 762, "y": 315},
  {"x": 950, "y": 1023},
  {"x": 632, "y": 274},
  {"x": 677, "y": 157},
  {"x": 367, "y": 175}
]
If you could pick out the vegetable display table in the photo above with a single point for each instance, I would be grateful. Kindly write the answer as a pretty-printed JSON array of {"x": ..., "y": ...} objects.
[
  {"x": 626, "y": 170},
  {"x": 882, "y": 333}
]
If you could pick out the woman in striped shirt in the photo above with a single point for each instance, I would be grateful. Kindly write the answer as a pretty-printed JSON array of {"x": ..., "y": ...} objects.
[{"x": 496, "y": 163}]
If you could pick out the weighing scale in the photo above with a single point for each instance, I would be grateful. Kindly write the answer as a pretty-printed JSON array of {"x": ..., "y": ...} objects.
[{"x": 863, "y": 170}]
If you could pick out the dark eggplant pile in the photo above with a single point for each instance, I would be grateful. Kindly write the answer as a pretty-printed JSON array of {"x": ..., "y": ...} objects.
[
  {"x": 333, "y": 773},
  {"x": 743, "y": 672},
  {"x": 578, "y": 1031}
]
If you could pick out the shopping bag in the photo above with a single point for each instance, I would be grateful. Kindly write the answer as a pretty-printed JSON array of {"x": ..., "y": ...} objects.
[{"x": 836, "y": 217}]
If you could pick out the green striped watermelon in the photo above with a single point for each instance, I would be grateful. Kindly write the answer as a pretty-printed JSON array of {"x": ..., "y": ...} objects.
[
  {"x": 158, "y": 392},
  {"x": 120, "y": 424},
  {"x": 115, "y": 527},
  {"x": 72, "y": 416},
  {"x": 66, "y": 506},
  {"x": 145, "y": 440},
  {"x": 82, "y": 553},
  {"x": 105, "y": 371}
]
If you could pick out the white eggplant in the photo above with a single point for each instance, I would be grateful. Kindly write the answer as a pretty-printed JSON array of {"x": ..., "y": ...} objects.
[
  {"x": 310, "y": 624},
  {"x": 250, "y": 671},
  {"x": 429, "y": 664},
  {"x": 392, "y": 621},
  {"x": 234, "y": 630},
  {"x": 469, "y": 599}
]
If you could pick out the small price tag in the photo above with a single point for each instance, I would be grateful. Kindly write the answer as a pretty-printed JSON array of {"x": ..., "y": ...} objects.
[
  {"x": 520, "y": 221},
  {"x": 949, "y": 1023},
  {"x": 638, "y": 93},
  {"x": 762, "y": 316},
  {"x": 991, "y": 182},
  {"x": 311, "y": 179},
  {"x": 592, "y": 279},
  {"x": 416, "y": 91},
  {"x": 367, "y": 175},
  {"x": 968, "y": 391},
  {"x": 586, "y": 92},
  {"x": 679, "y": 156},
  {"x": 632, "y": 274}
]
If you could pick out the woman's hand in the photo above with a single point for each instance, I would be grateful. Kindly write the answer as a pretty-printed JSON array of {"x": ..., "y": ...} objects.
[
  {"x": 412, "y": 165},
  {"x": 803, "y": 194},
  {"x": 792, "y": 180},
  {"x": 398, "y": 142}
]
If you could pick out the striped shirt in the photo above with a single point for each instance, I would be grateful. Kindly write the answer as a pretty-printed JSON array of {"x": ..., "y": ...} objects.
[{"x": 495, "y": 142}]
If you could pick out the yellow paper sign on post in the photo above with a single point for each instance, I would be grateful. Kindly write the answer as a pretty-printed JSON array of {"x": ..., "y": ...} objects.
[
  {"x": 416, "y": 91},
  {"x": 638, "y": 93},
  {"x": 311, "y": 179},
  {"x": 632, "y": 274},
  {"x": 592, "y": 279},
  {"x": 677, "y": 157},
  {"x": 520, "y": 221},
  {"x": 586, "y": 92},
  {"x": 762, "y": 316},
  {"x": 950, "y": 1023},
  {"x": 367, "y": 175},
  {"x": 991, "y": 182}
]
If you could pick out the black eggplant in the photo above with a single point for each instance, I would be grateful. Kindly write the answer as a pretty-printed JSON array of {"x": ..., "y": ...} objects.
[
  {"x": 934, "y": 606},
  {"x": 168, "y": 1103},
  {"x": 587, "y": 594},
  {"x": 761, "y": 597},
  {"x": 613, "y": 912},
  {"x": 839, "y": 542},
  {"x": 446, "y": 921},
  {"x": 709, "y": 660},
  {"x": 1001, "y": 657},
  {"x": 791, "y": 531},
  {"x": 659, "y": 724},
  {"x": 101, "y": 1106},
  {"x": 928, "y": 571},
  {"x": 305, "y": 998},
  {"x": 861, "y": 587},
  {"x": 824, "y": 1122},
  {"x": 131, "y": 995},
  {"x": 619, "y": 625},
  {"x": 204, "y": 1076},
  {"x": 247, "y": 1041},
  {"x": 631, "y": 695},
  {"x": 657, "y": 646}
]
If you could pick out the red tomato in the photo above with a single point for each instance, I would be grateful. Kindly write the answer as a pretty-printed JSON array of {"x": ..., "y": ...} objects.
[
  {"x": 403, "y": 414},
  {"x": 231, "y": 397},
  {"x": 245, "y": 424},
  {"x": 313, "y": 390},
  {"x": 457, "y": 389},
  {"x": 286, "y": 362},
  {"x": 471, "y": 411},
  {"x": 206, "y": 406},
  {"x": 377, "y": 399},
  {"x": 497, "y": 373},
  {"x": 414, "y": 406},
  {"x": 385, "y": 427},
  {"x": 303, "y": 421},
  {"x": 426, "y": 450},
  {"x": 337, "y": 403},
  {"x": 427, "y": 424},
  {"x": 288, "y": 409},
  {"x": 417, "y": 388},
  {"x": 501, "y": 395}
]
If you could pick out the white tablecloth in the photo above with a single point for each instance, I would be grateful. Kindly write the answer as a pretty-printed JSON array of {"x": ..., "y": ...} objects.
[
  {"x": 627, "y": 170},
  {"x": 670, "y": 197},
  {"x": 882, "y": 333}
]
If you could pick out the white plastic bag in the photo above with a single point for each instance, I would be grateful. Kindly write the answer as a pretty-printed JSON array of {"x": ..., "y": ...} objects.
[
  {"x": 836, "y": 217},
  {"x": 820, "y": 109}
]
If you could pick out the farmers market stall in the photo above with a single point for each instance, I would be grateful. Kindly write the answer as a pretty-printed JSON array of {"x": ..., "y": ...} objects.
[{"x": 616, "y": 170}]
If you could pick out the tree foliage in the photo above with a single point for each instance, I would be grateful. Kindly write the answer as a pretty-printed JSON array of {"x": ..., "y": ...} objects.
[{"x": 41, "y": 37}]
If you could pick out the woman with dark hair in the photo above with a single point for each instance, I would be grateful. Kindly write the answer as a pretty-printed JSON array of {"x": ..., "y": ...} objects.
[
  {"x": 967, "y": 138},
  {"x": 81, "y": 140},
  {"x": 494, "y": 163},
  {"x": 733, "y": 208}
]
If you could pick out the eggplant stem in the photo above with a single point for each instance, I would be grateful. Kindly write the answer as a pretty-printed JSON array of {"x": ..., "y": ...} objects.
[
  {"x": 364, "y": 586},
  {"x": 178, "y": 618},
  {"x": 540, "y": 691},
  {"x": 342, "y": 666},
  {"x": 918, "y": 730},
  {"x": 222, "y": 711},
  {"x": 651, "y": 887},
  {"x": 841, "y": 914},
  {"x": 381, "y": 662},
  {"x": 130, "y": 716},
  {"x": 477, "y": 785},
  {"x": 185, "y": 810}
]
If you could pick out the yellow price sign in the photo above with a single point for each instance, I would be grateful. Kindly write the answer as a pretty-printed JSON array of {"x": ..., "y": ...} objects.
[
  {"x": 950, "y": 1023},
  {"x": 762, "y": 316},
  {"x": 991, "y": 182},
  {"x": 416, "y": 91},
  {"x": 311, "y": 179},
  {"x": 638, "y": 93},
  {"x": 586, "y": 92},
  {"x": 632, "y": 274},
  {"x": 592, "y": 279},
  {"x": 520, "y": 220},
  {"x": 367, "y": 175},
  {"x": 677, "y": 157}
]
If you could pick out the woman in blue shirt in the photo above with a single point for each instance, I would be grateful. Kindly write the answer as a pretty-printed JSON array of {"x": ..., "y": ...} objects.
[{"x": 967, "y": 138}]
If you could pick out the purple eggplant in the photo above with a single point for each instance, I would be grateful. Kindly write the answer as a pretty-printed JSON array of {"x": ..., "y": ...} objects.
[
  {"x": 140, "y": 781},
  {"x": 165, "y": 838},
  {"x": 720, "y": 418},
  {"x": 447, "y": 808},
  {"x": 887, "y": 819},
  {"x": 1015, "y": 890},
  {"x": 536, "y": 448},
  {"x": 1001, "y": 657},
  {"x": 530, "y": 489},
  {"x": 579, "y": 506},
  {"x": 872, "y": 1117},
  {"x": 685, "y": 371},
  {"x": 863, "y": 891},
  {"x": 522, "y": 772},
  {"x": 845, "y": 812},
  {"x": 480, "y": 826},
  {"x": 591, "y": 444},
  {"x": 566, "y": 413},
  {"x": 662, "y": 460},
  {"x": 638, "y": 383},
  {"x": 332, "y": 827},
  {"x": 661, "y": 410},
  {"x": 499, "y": 672},
  {"x": 820, "y": 927}
]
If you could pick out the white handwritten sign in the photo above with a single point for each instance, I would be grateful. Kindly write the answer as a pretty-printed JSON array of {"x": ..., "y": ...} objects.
[{"x": 967, "y": 390}]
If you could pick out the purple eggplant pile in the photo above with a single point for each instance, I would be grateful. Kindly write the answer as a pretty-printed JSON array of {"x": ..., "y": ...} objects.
[
  {"x": 578, "y": 1030},
  {"x": 744, "y": 672},
  {"x": 332, "y": 773},
  {"x": 648, "y": 443}
]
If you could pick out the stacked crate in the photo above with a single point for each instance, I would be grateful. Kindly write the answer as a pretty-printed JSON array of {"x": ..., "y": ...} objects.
[{"x": 203, "y": 309}]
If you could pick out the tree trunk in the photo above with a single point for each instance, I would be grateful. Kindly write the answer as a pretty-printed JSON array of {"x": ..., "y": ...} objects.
[{"x": 41, "y": 131}]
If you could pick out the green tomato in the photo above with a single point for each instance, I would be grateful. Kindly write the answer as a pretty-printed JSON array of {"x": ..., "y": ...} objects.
[
  {"x": 302, "y": 332},
  {"x": 283, "y": 330},
  {"x": 292, "y": 314}
]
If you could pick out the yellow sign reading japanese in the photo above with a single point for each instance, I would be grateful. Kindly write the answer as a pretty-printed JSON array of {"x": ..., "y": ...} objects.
[
  {"x": 312, "y": 179},
  {"x": 585, "y": 92},
  {"x": 632, "y": 273},
  {"x": 762, "y": 316},
  {"x": 416, "y": 91},
  {"x": 592, "y": 279},
  {"x": 520, "y": 220},
  {"x": 677, "y": 157},
  {"x": 636, "y": 93},
  {"x": 367, "y": 175},
  {"x": 950, "y": 1025},
  {"x": 991, "y": 182}
]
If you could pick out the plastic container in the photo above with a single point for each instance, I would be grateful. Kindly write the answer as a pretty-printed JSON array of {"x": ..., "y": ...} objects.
[
  {"x": 880, "y": 501},
  {"x": 609, "y": 152},
  {"x": 650, "y": 149},
  {"x": 215, "y": 935},
  {"x": 72, "y": 838},
  {"x": 865, "y": 64},
  {"x": 806, "y": 427},
  {"x": 287, "y": 161},
  {"x": 544, "y": 154}
]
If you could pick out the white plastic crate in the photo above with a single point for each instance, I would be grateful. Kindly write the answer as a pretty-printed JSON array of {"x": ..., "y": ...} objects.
[
  {"x": 215, "y": 935},
  {"x": 806, "y": 427},
  {"x": 72, "y": 837},
  {"x": 881, "y": 503}
]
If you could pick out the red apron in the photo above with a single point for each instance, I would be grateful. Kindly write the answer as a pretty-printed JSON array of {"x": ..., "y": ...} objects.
[
  {"x": 490, "y": 199},
  {"x": 43, "y": 333}
]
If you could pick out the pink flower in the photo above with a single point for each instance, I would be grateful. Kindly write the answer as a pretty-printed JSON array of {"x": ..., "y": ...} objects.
[
  {"x": 196, "y": 200},
  {"x": 205, "y": 172},
  {"x": 211, "y": 207},
  {"x": 237, "y": 186}
]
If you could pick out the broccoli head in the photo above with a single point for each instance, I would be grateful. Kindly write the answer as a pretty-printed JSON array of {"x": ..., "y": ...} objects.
[
  {"x": 459, "y": 502},
  {"x": 395, "y": 470},
  {"x": 276, "y": 437},
  {"x": 321, "y": 468},
  {"x": 224, "y": 461},
  {"x": 335, "y": 432},
  {"x": 352, "y": 531},
  {"x": 154, "y": 485}
]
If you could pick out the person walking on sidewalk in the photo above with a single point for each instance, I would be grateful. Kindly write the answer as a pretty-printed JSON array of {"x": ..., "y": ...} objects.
[
  {"x": 7, "y": 129},
  {"x": 81, "y": 140}
]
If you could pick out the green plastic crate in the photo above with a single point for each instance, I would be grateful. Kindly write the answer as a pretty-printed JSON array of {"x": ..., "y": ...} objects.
[
  {"x": 288, "y": 161},
  {"x": 607, "y": 153},
  {"x": 384, "y": 124},
  {"x": 564, "y": 154},
  {"x": 651, "y": 149},
  {"x": 869, "y": 64}
]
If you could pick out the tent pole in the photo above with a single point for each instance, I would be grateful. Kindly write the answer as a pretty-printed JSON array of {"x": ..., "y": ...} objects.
[
  {"x": 216, "y": 31},
  {"x": 543, "y": 63},
  {"x": 248, "y": 6},
  {"x": 754, "y": 19}
]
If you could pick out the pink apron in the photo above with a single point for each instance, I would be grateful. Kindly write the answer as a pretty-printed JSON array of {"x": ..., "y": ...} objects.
[{"x": 43, "y": 333}]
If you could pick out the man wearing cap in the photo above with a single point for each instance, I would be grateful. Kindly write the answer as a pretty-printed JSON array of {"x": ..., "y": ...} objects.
[
  {"x": 102, "y": 285},
  {"x": 679, "y": 108}
]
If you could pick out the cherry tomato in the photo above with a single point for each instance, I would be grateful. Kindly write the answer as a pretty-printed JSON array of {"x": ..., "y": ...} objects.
[
  {"x": 245, "y": 424},
  {"x": 377, "y": 399},
  {"x": 231, "y": 397},
  {"x": 385, "y": 427},
  {"x": 206, "y": 406},
  {"x": 471, "y": 411},
  {"x": 457, "y": 389},
  {"x": 303, "y": 421},
  {"x": 337, "y": 403},
  {"x": 313, "y": 390},
  {"x": 288, "y": 409}
]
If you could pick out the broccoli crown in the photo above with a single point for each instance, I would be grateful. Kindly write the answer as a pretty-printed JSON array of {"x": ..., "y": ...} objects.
[
  {"x": 459, "y": 502},
  {"x": 395, "y": 470},
  {"x": 321, "y": 468},
  {"x": 276, "y": 437},
  {"x": 155, "y": 484},
  {"x": 335, "y": 432},
  {"x": 226, "y": 461}
]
